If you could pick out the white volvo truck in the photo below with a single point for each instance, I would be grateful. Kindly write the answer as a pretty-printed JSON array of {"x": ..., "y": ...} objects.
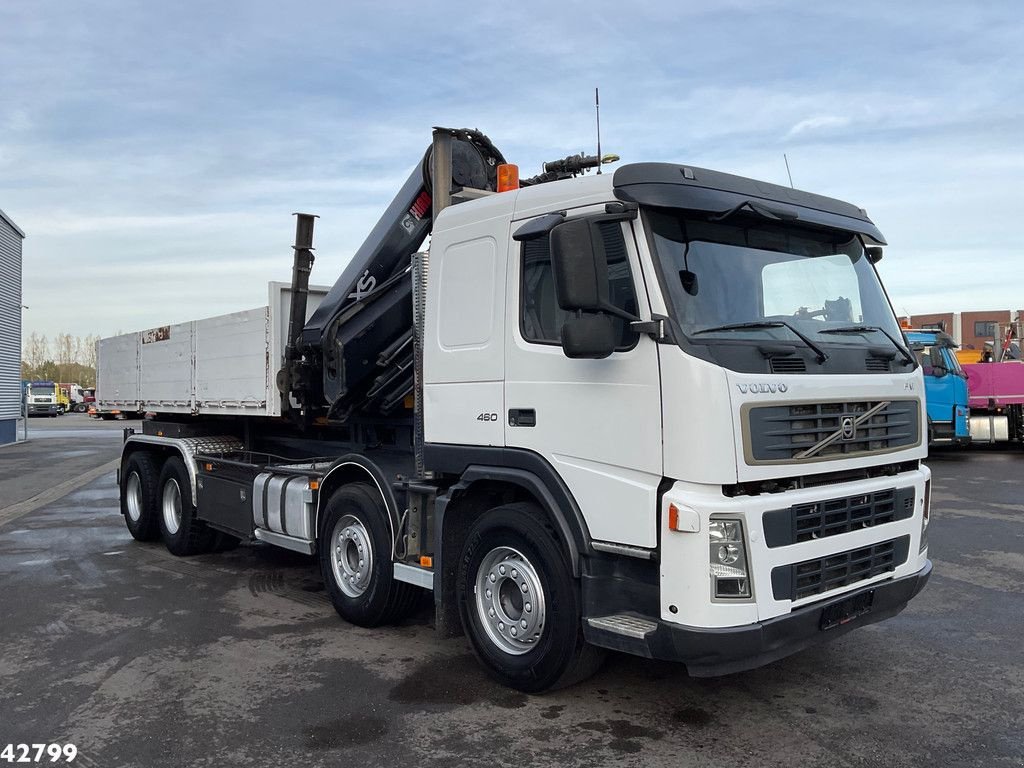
[{"x": 666, "y": 411}]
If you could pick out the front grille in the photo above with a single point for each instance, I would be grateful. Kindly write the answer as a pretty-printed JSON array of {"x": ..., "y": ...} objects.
[
  {"x": 815, "y": 431},
  {"x": 816, "y": 577},
  {"x": 831, "y": 517}
]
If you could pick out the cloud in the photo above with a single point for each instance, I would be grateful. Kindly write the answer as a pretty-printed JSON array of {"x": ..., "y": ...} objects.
[{"x": 817, "y": 123}]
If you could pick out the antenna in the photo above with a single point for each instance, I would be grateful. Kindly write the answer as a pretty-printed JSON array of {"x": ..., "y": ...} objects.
[
  {"x": 597, "y": 109},
  {"x": 787, "y": 169}
]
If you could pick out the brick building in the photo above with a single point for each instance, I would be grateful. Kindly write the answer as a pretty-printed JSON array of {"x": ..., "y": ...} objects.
[{"x": 969, "y": 329}]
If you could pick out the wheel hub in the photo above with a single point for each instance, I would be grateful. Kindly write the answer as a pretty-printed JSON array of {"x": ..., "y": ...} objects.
[
  {"x": 172, "y": 506},
  {"x": 510, "y": 600},
  {"x": 351, "y": 556},
  {"x": 133, "y": 496}
]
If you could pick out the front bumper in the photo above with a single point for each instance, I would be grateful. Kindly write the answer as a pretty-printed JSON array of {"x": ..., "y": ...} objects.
[
  {"x": 709, "y": 652},
  {"x": 42, "y": 409}
]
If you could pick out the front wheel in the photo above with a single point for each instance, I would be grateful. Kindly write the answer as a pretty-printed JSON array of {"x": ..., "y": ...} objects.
[
  {"x": 355, "y": 559},
  {"x": 519, "y": 603}
]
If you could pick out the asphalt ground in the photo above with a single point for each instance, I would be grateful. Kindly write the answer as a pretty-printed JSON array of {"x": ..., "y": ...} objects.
[{"x": 143, "y": 659}]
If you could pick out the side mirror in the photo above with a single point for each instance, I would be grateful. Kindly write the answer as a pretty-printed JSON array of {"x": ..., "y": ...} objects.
[
  {"x": 874, "y": 253},
  {"x": 588, "y": 336},
  {"x": 580, "y": 267}
]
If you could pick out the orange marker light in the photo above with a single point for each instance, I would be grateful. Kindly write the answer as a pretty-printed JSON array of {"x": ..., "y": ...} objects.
[
  {"x": 673, "y": 517},
  {"x": 314, "y": 485},
  {"x": 209, "y": 467},
  {"x": 508, "y": 177},
  {"x": 426, "y": 561}
]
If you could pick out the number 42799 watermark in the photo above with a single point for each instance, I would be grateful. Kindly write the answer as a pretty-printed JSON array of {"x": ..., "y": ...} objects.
[{"x": 38, "y": 753}]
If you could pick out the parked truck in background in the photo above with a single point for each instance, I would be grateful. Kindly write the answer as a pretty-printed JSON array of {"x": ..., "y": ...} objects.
[
  {"x": 996, "y": 386},
  {"x": 42, "y": 398},
  {"x": 945, "y": 386},
  {"x": 79, "y": 398},
  {"x": 666, "y": 411}
]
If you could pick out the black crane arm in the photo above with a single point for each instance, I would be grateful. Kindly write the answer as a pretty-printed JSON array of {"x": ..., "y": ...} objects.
[{"x": 369, "y": 307}]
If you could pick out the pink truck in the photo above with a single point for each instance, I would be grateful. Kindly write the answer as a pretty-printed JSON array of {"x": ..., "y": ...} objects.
[{"x": 996, "y": 400}]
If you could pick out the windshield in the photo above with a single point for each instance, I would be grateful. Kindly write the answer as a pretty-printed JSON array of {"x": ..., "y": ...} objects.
[
  {"x": 751, "y": 270},
  {"x": 40, "y": 390}
]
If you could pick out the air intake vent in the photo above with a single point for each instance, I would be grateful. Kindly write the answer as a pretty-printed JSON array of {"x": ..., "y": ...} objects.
[
  {"x": 832, "y": 517},
  {"x": 877, "y": 365},
  {"x": 788, "y": 365},
  {"x": 816, "y": 577}
]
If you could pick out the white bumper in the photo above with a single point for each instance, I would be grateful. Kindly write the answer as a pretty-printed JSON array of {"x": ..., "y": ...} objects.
[{"x": 686, "y": 584}]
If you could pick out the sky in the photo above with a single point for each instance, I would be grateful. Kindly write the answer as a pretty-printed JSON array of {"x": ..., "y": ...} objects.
[{"x": 154, "y": 152}]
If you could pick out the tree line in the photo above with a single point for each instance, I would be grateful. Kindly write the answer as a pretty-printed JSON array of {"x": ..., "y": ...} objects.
[{"x": 65, "y": 358}]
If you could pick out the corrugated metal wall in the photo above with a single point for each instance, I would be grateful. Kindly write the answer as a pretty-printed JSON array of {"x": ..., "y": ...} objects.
[{"x": 10, "y": 321}]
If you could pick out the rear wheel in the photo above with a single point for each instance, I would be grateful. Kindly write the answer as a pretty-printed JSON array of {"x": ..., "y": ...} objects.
[
  {"x": 519, "y": 603},
  {"x": 182, "y": 531},
  {"x": 140, "y": 481},
  {"x": 355, "y": 559}
]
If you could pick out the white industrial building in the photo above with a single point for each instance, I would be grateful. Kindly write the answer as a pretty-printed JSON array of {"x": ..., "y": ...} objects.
[{"x": 10, "y": 328}]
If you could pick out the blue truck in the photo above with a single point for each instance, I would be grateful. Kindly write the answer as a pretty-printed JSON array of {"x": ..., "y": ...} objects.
[{"x": 945, "y": 387}]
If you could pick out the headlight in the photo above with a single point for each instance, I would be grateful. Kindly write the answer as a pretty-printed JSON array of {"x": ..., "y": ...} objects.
[{"x": 728, "y": 559}]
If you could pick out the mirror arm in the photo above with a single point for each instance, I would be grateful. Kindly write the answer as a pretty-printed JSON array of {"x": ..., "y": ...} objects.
[
  {"x": 654, "y": 328},
  {"x": 622, "y": 314}
]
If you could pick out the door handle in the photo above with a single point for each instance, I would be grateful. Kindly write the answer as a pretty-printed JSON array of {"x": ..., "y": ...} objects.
[{"x": 522, "y": 417}]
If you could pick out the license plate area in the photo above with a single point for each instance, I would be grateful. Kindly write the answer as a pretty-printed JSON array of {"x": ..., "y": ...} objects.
[{"x": 847, "y": 610}]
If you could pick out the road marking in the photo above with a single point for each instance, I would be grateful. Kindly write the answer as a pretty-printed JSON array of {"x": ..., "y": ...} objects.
[{"x": 52, "y": 494}]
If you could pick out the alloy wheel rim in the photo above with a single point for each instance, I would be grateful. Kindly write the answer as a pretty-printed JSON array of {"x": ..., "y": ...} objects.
[
  {"x": 172, "y": 506},
  {"x": 510, "y": 601},
  {"x": 133, "y": 497},
  {"x": 351, "y": 556}
]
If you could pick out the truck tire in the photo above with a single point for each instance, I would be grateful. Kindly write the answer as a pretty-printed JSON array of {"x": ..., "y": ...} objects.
[
  {"x": 182, "y": 531},
  {"x": 81, "y": 408},
  {"x": 355, "y": 559},
  {"x": 140, "y": 505},
  {"x": 519, "y": 603}
]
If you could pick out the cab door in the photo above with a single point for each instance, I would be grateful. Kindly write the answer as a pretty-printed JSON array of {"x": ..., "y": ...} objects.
[
  {"x": 596, "y": 422},
  {"x": 939, "y": 385}
]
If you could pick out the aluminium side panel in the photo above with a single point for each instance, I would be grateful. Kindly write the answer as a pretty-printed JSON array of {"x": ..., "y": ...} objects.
[
  {"x": 117, "y": 371},
  {"x": 166, "y": 368},
  {"x": 233, "y": 371}
]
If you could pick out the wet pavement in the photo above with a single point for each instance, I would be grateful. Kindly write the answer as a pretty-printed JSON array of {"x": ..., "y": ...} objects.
[
  {"x": 237, "y": 658},
  {"x": 57, "y": 450}
]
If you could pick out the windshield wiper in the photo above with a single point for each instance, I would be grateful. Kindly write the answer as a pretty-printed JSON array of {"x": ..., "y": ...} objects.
[
  {"x": 874, "y": 329},
  {"x": 822, "y": 357}
]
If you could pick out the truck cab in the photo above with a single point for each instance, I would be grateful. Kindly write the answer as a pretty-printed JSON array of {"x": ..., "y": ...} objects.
[
  {"x": 42, "y": 398},
  {"x": 710, "y": 370},
  {"x": 945, "y": 385}
]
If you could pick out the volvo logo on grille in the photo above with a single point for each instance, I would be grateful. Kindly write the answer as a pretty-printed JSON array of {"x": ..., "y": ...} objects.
[{"x": 849, "y": 428}]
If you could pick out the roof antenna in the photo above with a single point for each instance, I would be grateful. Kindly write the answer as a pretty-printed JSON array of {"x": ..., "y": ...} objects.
[
  {"x": 597, "y": 109},
  {"x": 787, "y": 170}
]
